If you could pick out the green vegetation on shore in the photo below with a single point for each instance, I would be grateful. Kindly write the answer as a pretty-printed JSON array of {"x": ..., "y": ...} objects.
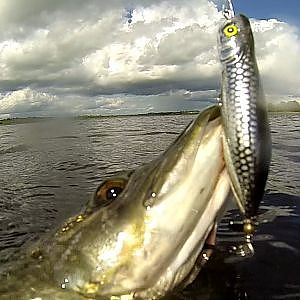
[{"x": 13, "y": 121}]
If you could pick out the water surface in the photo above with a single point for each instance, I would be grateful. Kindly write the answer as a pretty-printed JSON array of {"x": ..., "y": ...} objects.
[{"x": 49, "y": 170}]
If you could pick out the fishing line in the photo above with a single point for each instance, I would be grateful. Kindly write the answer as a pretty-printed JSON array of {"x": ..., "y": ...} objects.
[{"x": 227, "y": 10}]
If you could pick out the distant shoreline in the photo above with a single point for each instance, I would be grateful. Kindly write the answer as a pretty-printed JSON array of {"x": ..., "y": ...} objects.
[{"x": 25, "y": 120}]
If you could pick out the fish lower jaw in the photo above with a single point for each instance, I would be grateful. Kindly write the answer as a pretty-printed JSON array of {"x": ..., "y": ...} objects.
[{"x": 181, "y": 267}]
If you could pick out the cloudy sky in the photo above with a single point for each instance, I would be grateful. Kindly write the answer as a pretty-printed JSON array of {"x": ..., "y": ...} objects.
[{"x": 116, "y": 57}]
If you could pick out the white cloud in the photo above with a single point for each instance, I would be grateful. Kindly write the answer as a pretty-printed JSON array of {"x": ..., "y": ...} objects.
[
  {"x": 25, "y": 100},
  {"x": 278, "y": 48},
  {"x": 112, "y": 103},
  {"x": 28, "y": 102},
  {"x": 81, "y": 54}
]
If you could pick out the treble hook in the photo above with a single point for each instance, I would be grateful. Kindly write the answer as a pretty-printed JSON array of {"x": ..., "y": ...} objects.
[
  {"x": 244, "y": 249},
  {"x": 227, "y": 9}
]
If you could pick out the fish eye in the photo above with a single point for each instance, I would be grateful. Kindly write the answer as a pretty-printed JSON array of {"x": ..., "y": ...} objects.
[
  {"x": 109, "y": 190},
  {"x": 230, "y": 30}
]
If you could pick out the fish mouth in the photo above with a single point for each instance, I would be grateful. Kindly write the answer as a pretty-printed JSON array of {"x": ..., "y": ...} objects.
[{"x": 191, "y": 185}]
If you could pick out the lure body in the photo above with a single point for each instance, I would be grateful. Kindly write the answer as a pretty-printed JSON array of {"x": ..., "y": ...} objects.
[{"x": 247, "y": 142}]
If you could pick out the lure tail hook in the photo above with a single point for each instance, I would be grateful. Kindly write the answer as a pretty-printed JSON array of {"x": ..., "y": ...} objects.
[{"x": 245, "y": 248}]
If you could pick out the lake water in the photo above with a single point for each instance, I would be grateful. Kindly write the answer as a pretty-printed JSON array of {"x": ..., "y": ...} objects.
[{"x": 49, "y": 170}]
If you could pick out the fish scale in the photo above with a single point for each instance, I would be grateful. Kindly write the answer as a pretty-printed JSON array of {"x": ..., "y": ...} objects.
[{"x": 244, "y": 114}]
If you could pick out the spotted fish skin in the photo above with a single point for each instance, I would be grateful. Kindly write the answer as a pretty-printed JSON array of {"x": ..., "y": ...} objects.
[{"x": 247, "y": 141}]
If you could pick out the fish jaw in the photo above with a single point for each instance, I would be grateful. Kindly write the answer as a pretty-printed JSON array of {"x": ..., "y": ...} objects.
[{"x": 182, "y": 271}]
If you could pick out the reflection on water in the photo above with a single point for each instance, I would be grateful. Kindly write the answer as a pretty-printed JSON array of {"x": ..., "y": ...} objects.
[{"x": 48, "y": 171}]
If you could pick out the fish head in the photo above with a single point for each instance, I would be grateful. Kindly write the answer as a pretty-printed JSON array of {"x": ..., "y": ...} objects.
[
  {"x": 143, "y": 231},
  {"x": 234, "y": 38}
]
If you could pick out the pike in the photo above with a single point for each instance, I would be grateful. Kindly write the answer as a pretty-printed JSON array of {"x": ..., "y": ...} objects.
[{"x": 141, "y": 234}]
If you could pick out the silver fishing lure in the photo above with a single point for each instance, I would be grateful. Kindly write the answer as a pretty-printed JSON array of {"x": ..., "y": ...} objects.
[{"x": 247, "y": 142}]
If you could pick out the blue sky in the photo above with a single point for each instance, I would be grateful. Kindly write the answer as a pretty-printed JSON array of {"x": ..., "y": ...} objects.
[
  {"x": 284, "y": 10},
  {"x": 66, "y": 56}
]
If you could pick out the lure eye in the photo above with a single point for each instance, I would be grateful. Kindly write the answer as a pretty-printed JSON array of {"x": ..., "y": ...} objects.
[{"x": 231, "y": 30}]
